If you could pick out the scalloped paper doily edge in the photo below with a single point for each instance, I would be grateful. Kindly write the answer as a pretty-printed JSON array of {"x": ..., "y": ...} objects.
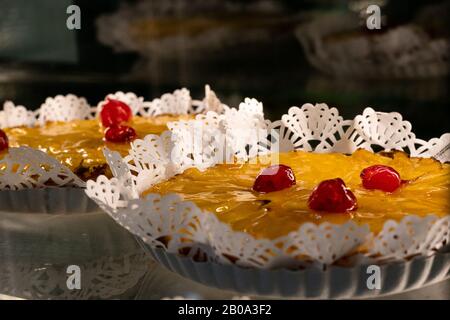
[
  {"x": 216, "y": 239},
  {"x": 71, "y": 107}
]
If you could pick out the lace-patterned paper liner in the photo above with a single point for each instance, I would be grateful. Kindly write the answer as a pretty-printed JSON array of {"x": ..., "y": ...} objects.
[
  {"x": 180, "y": 226},
  {"x": 70, "y": 107},
  {"x": 405, "y": 52},
  {"x": 25, "y": 168},
  {"x": 30, "y": 168}
]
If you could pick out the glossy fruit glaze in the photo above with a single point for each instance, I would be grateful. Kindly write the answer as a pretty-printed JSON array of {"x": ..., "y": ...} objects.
[
  {"x": 80, "y": 142},
  {"x": 226, "y": 190}
]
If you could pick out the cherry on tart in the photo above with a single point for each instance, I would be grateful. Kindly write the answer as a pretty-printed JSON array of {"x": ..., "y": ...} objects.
[
  {"x": 381, "y": 178},
  {"x": 332, "y": 196},
  {"x": 274, "y": 178},
  {"x": 225, "y": 190},
  {"x": 120, "y": 133},
  {"x": 3, "y": 140},
  {"x": 115, "y": 112}
]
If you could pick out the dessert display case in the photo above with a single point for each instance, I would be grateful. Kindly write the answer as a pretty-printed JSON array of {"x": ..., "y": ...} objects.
[{"x": 106, "y": 225}]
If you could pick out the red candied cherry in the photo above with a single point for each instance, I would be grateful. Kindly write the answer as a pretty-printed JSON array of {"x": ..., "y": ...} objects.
[
  {"x": 381, "y": 177},
  {"x": 115, "y": 112},
  {"x": 120, "y": 133},
  {"x": 274, "y": 178},
  {"x": 332, "y": 196},
  {"x": 3, "y": 140}
]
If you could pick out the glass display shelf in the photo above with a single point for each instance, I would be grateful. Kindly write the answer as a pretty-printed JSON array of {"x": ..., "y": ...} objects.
[{"x": 38, "y": 252}]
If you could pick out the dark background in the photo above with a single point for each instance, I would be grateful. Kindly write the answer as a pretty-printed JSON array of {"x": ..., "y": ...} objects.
[{"x": 40, "y": 57}]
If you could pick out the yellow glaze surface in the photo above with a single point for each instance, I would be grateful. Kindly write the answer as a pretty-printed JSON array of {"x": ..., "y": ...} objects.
[
  {"x": 226, "y": 190},
  {"x": 80, "y": 142}
]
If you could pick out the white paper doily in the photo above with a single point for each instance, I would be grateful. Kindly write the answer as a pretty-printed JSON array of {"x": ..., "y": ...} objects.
[
  {"x": 177, "y": 225},
  {"x": 403, "y": 52},
  {"x": 25, "y": 167}
]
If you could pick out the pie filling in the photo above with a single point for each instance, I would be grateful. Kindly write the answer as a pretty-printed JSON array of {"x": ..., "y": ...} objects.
[
  {"x": 227, "y": 191},
  {"x": 78, "y": 144}
]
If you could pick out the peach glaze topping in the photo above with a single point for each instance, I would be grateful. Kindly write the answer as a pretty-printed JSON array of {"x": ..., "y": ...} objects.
[
  {"x": 226, "y": 190},
  {"x": 79, "y": 143}
]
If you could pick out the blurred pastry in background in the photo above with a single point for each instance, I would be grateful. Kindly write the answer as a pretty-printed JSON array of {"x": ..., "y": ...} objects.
[
  {"x": 340, "y": 45},
  {"x": 164, "y": 27}
]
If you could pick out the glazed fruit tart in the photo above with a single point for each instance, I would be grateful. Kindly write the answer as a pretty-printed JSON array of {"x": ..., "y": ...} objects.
[
  {"x": 272, "y": 201},
  {"x": 68, "y": 129},
  {"x": 307, "y": 189}
]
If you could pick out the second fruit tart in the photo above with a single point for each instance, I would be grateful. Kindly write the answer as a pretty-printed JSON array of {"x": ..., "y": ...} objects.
[{"x": 68, "y": 129}]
